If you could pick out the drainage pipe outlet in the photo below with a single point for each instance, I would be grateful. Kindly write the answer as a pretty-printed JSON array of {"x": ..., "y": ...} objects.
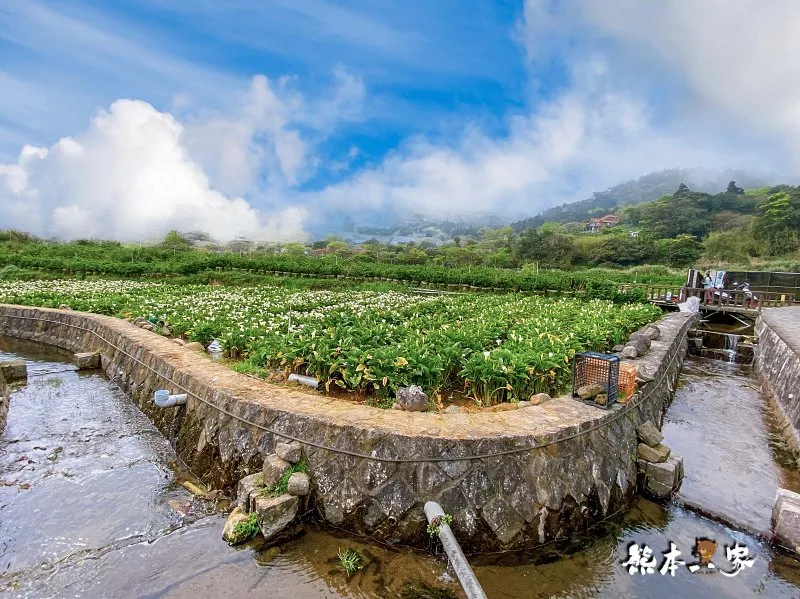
[
  {"x": 164, "y": 400},
  {"x": 308, "y": 381},
  {"x": 472, "y": 588}
]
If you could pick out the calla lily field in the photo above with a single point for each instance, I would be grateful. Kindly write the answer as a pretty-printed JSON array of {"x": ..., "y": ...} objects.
[{"x": 490, "y": 347}]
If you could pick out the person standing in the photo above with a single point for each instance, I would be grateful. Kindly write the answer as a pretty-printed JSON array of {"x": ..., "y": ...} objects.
[{"x": 708, "y": 285}]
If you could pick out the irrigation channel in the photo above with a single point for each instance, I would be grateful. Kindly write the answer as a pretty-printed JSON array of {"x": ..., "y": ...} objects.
[{"x": 92, "y": 504}]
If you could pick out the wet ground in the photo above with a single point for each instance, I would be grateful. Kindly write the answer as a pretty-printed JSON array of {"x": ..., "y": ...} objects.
[{"x": 91, "y": 505}]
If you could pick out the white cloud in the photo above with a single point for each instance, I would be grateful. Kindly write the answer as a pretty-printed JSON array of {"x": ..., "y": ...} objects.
[
  {"x": 646, "y": 86},
  {"x": 257, "y": 147},
  {"x": 588, "y": 138},
  {"x": 129, "y": 177}
]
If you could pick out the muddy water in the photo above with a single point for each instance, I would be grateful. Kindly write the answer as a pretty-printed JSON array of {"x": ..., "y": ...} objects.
[{"x": 91, "y": 506}]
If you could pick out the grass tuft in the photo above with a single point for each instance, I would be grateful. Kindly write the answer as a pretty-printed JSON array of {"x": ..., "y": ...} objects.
[{"x": 350, "y": 561}]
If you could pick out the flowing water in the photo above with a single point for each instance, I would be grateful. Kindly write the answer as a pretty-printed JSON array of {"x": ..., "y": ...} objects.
[{"x": 91, "y": 505}]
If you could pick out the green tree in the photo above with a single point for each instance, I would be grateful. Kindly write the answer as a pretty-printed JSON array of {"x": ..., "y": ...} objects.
[
  {"x": 175, "y": 242},
  {"x": 778, "y": 222}
]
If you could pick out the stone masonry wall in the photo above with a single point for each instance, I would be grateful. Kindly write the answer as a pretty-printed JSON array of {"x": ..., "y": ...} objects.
[
  {"x": 777, "y": 361},
  {"x": 510, "y": 479}
]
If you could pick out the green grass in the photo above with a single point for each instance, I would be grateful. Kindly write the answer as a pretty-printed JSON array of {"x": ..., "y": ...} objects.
[
  {"x": 282, "y": 485},
  {"x": 350, "y": 561},
  {"x": 248, "y": 529}
]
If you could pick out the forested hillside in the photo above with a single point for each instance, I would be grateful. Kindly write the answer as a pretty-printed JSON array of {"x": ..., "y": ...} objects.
[{"x": 644, "y": 189}]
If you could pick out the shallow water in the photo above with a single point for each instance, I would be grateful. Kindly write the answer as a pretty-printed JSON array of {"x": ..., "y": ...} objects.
[
  {"x": 105, "y": 514},
  {"x": 733, "y": 459}
]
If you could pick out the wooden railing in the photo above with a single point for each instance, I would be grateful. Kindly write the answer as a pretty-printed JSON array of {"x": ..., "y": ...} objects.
[{"x": 721, "y": 299}]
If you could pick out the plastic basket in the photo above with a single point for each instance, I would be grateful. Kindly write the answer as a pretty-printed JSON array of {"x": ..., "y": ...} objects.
[
  {"x": 627, "y": 381},
  {"x": 594, "y": 367}
]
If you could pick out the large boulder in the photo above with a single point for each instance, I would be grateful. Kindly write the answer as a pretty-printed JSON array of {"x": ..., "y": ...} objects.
[
  {"x": 229, "y": 533},
  {"x": 412, "y": 399},
  {"x": 274, "y": 514}
]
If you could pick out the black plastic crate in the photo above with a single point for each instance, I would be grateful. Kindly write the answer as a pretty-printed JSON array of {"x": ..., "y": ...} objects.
[{"x": 593, "y": 367}]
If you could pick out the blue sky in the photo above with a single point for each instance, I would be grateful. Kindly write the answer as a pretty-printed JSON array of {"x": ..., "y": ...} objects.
[{"x": 266, "y": 118}]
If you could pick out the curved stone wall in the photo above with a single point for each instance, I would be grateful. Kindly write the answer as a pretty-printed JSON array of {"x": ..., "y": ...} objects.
[
  {"x": 777, "y": 361},
  {"x": 510, "y": 479}
]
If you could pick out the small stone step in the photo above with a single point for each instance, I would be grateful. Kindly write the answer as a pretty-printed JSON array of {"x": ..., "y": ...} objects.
[
  {"x": 247, "y": 488},
  {"x": 275, "y": 513},
  {"x": 786, "y": 519},
  {"x": 649, "y": 434},
  {"x": 14, "y": 370},
  {"x": 87, "y": 360},
  {"x": 660, "y": 480},
  {"x": 656, "y": 454},
  {"x": 274, "y": 467},
  {"x": 299, "y": 484}
]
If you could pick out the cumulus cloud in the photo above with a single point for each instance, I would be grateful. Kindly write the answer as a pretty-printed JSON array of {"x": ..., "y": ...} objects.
[
  {"x": 129, "y": 177},
  {"x": 641, "y": 86}
]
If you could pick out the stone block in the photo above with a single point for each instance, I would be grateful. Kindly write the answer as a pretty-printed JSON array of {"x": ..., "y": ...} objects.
[
  {"x": 590, "y": 391},
  {"x": 274, "y": 514},
  {"x": 291, "y": 452},
  {"x": 656, "y": 454},
  {"x": 299, "y": 484},
  {"x": 540, "y": 398},
  {"x": 247, "y": 487},
  {"x": 412, "y": 399},
  {"x": 629, "y": 353},
  {"x": 195, "y": 346},
  {"x": 14, "y": 370},
  {"x": 786, "y": 519},
  {"x": 229, "y": 532},
  {"x": 641, "y": 341},
  {"x": 649, "y": 434},
  {"x": 87, "y": 360},
  {"x": 661, "y": 479},
  {"x": 274, "y": 467},
  {"x": 652, "y": 331}
]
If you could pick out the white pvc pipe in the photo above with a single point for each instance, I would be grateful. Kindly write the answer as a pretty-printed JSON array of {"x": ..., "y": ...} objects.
[
  {"x": 163, "y": 399},
  {"x": 472, "y": 588},
  {"x": 309, "y": 381}
]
